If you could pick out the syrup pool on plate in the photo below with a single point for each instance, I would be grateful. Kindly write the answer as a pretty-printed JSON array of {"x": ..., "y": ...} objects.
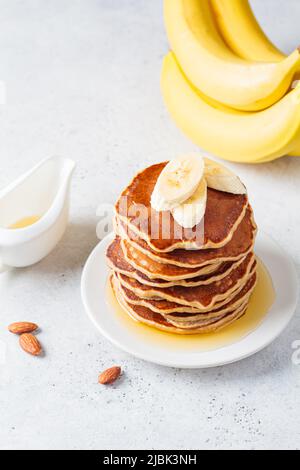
[
  {"x": 261, "y": 301},
  {"x": 25, "y": 222}
]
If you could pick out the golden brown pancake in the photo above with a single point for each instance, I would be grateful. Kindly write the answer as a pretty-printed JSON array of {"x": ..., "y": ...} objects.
[
  {"x": 147, "y": 316},
  {"x": 117, "y": 262},
  {"x": 182, "y": 281},
  {"x": 224, "y": 212},
  {"x": 116, "y": 255},
  {"x": 238, "y": 247},
  {"x": 187, "y": 320},
  {"x": 177, "y": 312},
  {"x": 202, "y": 297},
  {"x": 196, "y": 323},
  {"x": 168, "y": 272}
]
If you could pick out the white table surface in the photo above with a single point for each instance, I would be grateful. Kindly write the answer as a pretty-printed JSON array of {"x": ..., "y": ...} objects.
[{"x": 82, "y": 81}]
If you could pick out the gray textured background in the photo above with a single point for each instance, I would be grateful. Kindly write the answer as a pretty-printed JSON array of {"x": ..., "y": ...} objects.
[{"x": 83, "y": 81}]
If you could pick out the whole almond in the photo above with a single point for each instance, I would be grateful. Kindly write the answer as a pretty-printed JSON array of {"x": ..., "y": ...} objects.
[
  {"x": 109, "y": 375},
  {"x": 20, "y": 327},
  {"x": 30, "y": 344}
]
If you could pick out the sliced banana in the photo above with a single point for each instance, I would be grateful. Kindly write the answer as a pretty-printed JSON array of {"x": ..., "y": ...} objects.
[
  {"x": 177, "y": 182},
  {"x": 220, "y": 178},
  {"x": 191, "y": 212}
]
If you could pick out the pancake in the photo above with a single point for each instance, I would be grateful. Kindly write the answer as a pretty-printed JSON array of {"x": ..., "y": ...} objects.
[
  {"x": 196, "y": 323},
  {"x": 168, "y": 272},
  {"x": 117, "y": 259},
  {"x": 117, "y": 262},
  {"x": 153, "y": 319},
  {"x": 182, "y": 281},
  {"x": 224, "y": 213},
  {"x": 239, "y": 246},
  {"x": 187, "y": 325},
  {"x": 202, "y": 297},
  {"x": 171, "y": 310},
  {"x": 183, "y": 320}
]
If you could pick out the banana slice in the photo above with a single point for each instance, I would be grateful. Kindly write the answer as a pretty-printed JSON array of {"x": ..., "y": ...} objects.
[
  {"x": 192, "y": 211},
  {"x": 220, "y": 178},
  {"x": 177, "y": 182}
]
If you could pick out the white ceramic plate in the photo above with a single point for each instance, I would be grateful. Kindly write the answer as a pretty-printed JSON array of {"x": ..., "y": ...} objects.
[{"x": 111, "y": 325}]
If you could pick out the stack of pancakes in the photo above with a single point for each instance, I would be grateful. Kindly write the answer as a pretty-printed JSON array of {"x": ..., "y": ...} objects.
[{"x": 182, "y": 284}]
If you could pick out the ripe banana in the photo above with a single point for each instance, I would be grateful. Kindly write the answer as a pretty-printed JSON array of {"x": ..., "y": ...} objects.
[
  {"x": 220, "y": 178},
  {"x": 242, "y": 32},
  {"x": 217, "y": 71},
  {"x": 295, "y": 152},
  {"x": 191, "y": 212},
  {"x": 232, "y": 135},
  {"x": 177, "y": 182},
  {"x": 244, "y": 36}
]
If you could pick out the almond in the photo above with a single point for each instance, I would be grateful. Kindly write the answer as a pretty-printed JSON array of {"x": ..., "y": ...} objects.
[
  {"x": 21, "y": 327},
  {"x": 109, "y": 375},
  {"x": 30, "y": 344}
]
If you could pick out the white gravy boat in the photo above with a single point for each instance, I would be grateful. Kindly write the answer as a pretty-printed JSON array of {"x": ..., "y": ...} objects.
[{"x": 41, "y": 193}]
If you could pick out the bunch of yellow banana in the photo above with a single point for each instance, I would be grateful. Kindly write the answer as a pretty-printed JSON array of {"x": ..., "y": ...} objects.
[{"x": 226, "y": 85}]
